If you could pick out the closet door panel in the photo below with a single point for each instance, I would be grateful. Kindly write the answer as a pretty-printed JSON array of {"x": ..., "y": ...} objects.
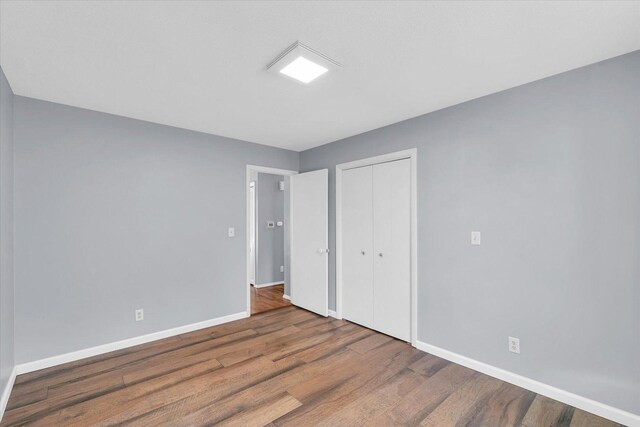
[
  {"x": 357, "y": 245},
  {"x": 392, "y": 252}
]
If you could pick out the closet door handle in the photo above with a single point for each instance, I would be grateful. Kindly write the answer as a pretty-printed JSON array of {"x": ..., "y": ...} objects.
[
  {"x": 380, "y": 254},
  {"x": 362, "y": 252}
]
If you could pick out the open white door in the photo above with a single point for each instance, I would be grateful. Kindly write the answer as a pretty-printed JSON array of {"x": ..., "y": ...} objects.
[{"x": 310, "y": 241}]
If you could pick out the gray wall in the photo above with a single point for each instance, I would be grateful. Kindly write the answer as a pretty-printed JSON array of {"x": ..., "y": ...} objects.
[
  {"x": 270, "y": 240},
  {"x": 549, "y": 172},
  {"x": 6, "y": 233},
  {"x": 114, "y": 214}
]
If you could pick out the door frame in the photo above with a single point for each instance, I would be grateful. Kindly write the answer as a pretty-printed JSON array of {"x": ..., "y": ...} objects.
[
  {"x": 253, "y": 262},
  {"x": 411, "y": 154},
  {"x": 259, "y": 169}
]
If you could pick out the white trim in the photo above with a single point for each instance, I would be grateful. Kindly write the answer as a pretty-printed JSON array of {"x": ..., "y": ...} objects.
[
  {"x": 398, "y": 155},
  {"x": 272, "y": 171},
  {"x": 339, "y": 240},
  {"x": 414, "y": 247},
  {"x": 266, "y": 285},
  {"x": 287, "y": 297},
  {"x": 253, "y": 188},
  {"x": 4, "y": 399},
  {"x": 586, "y": 404},
  {"x": 334, "y": 314},
  {"x": 118, "y": 345},
  {"x": 259, "y": 169},
  {"x": 389, "y": 157}
]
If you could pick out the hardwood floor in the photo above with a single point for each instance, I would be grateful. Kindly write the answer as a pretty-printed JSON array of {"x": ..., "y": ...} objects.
[
  {"x": 283, "y": 367},
  {"x": 265, "y": 299}
]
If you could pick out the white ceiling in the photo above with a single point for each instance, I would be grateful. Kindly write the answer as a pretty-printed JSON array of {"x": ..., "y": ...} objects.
[{"x": 201, "y": 65}]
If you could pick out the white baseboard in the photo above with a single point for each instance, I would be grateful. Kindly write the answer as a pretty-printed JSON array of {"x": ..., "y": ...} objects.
[
  {"x": 586, "y": 404},
  {"x": 36, "y": 365},
  {"x": 266, "y": 285},
  {"x": 333, "y": 314},
  {"x": 285, "y": 296},
  {"x": 4, "y": 399}
]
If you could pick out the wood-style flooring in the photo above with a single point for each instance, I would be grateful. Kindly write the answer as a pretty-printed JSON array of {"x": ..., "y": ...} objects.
[
  {"x": 283, "y": 367},
  {"x": 265, "y": 299}
]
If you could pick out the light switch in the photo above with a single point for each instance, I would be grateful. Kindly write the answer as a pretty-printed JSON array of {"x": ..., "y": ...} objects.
[
  {"x": 232, "y": 232},
  {"x": 475, "y": 238}
]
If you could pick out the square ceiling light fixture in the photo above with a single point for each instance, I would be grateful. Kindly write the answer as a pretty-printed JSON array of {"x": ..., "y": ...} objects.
[{"x": 302, "y": 63}]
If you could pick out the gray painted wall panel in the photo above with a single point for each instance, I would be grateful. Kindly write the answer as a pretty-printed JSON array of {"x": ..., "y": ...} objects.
[
  {"x": 549, "y": 172},
  {"x": 6, "y": 233},
  {"x": 114, "y": 214},
  {"x": 270, "y": 240}
]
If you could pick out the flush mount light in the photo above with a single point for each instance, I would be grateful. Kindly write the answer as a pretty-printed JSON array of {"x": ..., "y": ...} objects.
[
  {"x": 302, "y": 63},
  {"x": 304, "y": 70}
]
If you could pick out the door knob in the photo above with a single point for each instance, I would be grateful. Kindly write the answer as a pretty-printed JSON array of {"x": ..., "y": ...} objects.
[
  {"x": 380, "y": 254},
  {"x": 362, "y": 252}
]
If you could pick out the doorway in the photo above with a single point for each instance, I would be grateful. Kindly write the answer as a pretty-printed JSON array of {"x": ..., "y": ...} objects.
[{"x": 267, "y": 238}]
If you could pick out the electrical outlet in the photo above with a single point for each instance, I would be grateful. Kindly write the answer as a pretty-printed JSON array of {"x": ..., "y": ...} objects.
[
  {"x": 232, "y": 232},
  {"x": 514, "y": 345},
  {"x": 475, "y": 238},
  {"x": 139, "y": 315},
  {"x": 282, "y": 269}
]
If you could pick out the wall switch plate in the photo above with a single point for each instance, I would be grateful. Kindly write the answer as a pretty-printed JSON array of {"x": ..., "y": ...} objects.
[
  {"x": 232, "y": 232},
  {"x": 139, "y": 315},
  {"x": 514, "y": 345},
  {"x": 475, "y": 238},
  {"x": 282, "y": 269},
  {"x": 279, "y": 223}
]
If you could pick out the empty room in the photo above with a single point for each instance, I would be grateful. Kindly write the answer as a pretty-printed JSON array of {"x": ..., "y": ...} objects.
[{"x": 319, "y": 213}]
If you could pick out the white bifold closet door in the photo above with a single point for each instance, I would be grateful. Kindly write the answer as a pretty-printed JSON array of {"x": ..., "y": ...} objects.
[
  {"x": 392, "y": 247},
  {"x": 376, "y": 245},
  {"x": 357, "y": 245}
]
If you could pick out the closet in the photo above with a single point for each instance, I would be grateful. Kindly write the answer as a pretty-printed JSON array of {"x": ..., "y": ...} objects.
[{"x": 376, "y": 247}]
